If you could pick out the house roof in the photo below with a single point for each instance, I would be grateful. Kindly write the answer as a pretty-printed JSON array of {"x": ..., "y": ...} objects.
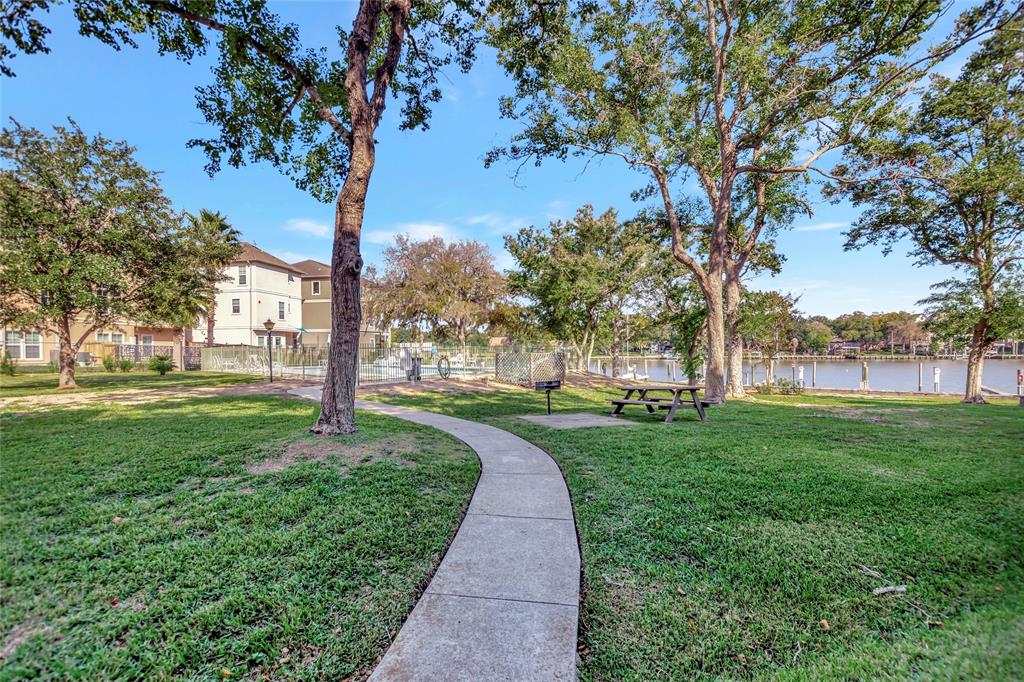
[
  {"x": 253, "y": 254},
  {"x": 312, "y": 268}
]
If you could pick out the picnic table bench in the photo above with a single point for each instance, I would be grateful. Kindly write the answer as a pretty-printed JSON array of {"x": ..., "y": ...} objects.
[{"x": 654, "y": 403}]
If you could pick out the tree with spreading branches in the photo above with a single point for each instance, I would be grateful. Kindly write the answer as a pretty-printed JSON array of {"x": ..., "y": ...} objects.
[
  {"x": 580, "y": 274},
  {"x": 767, "y": 322},
  {"x": 311, "y": 113},
  {"x": 88, "y": 237},
  {"x": 948, "y": 176},
  {"x": 452, "y": 287},
  {"x": 716, "y": 90}
]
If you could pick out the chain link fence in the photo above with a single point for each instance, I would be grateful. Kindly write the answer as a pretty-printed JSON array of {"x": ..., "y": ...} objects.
[{"x": 526, "y": 367}]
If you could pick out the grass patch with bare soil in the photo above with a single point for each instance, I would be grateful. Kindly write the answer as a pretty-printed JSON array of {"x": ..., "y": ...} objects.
[
  {"x": 751, "y": 546},
  {"x": 152, "y": 540}
]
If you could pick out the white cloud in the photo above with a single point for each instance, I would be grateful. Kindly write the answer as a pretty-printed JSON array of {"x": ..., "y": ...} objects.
[
  {"x": 307, "y": 226},
  {"x": 417, "y": 232},
  {"x": 819, "y": 227},
  {"x": 556, "y": 210},
  {"x": 293, "y": 257},
  {"x": 503, "y": 260},
  {"x": 496, "y": 223}
]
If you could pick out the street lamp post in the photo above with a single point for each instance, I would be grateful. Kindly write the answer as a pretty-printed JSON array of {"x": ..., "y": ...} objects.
[{"x": 269, "y": 326}]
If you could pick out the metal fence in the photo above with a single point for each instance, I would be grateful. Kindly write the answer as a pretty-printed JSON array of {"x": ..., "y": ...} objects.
[
  {"x": 376, "y": 364},
  {"x": 44, "y": 356}
]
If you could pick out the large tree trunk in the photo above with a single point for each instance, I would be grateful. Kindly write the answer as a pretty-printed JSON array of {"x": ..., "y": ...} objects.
[
  {"x": 714, "y": 378},
  {"x": 616, "y": 349},
  {"x": 66, "y": 356},
  {"x": 734, "y": 386},
  {"x": 590, "y": 349},
  {"x": 976, "y": 362},
  {"x": 337, "y": 405}
]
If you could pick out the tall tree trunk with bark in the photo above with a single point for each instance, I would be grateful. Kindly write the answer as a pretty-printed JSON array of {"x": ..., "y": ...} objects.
[
  {"x": 714, "y": 377},
  {"x": 710, "y": 281},
  {"x": 66, "y": 356},
  {"x": 590, "y": 350},
  {"x": 337, "y": 404},
  {"x": 734, "y": 385},
  {"x": 980, "y": 345},
  {"x": 616, "y": 349}
]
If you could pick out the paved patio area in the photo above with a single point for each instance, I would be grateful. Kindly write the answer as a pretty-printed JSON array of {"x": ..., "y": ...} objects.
[
  {"x": 575, "y": 420},
  {"x": 504, "y": 603}
]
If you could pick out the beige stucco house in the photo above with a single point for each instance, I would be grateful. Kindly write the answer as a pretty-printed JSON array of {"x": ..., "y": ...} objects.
[{"x": 316, "y": 308}]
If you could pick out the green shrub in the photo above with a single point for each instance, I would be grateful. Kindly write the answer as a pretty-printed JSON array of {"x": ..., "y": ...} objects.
[
  {"x": 125, "y": 364},
  {"x": 7, "y": 365},
  {"x": 781, "y": 387},
  {"x": 161, "y": 363},
  {"x": 110, "y": 363}
]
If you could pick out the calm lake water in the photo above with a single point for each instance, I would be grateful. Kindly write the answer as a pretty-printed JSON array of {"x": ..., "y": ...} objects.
[{"x": 1000, "y": 375}]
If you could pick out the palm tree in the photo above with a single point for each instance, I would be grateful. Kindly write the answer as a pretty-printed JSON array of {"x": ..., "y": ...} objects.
[{"x": 213, "y": 228}]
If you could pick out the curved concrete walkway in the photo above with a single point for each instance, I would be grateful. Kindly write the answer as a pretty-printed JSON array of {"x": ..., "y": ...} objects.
[{"x": 503, "y": 604}]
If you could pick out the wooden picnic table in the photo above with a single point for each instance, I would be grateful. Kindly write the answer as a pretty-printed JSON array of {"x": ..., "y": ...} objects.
[{"x": 654, "y": 403}]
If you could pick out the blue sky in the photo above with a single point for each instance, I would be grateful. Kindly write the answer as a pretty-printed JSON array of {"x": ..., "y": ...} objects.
[{"x": 424, "y": 183}]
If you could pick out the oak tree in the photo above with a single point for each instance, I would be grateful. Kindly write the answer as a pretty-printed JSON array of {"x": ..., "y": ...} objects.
[
  {"x": 579, "y": 274},
  {"x": 949, "y": 176},
  {"x": 87, "y": 236},
  {"x": 767, "y": 321},
  {"x": 451, "y": 287}
]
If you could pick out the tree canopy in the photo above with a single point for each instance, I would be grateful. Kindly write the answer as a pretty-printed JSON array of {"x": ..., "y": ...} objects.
[
  {"x": 580, "y": 274},
  {"x": 451, "y": 287},
  {"x": 949, "y": 176},
  {"x": 310, "y": 111},
  {"x": 89, "y": 236},
  {"x": 717, "y": 91}
]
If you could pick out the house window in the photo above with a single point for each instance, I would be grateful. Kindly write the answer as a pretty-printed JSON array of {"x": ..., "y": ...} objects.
[
  {"x": 23, "y": 345},
  {"x": 147, "y": 339},
  {"x": 261, "y": 341},
  {"x": 280, "y": 310},
  {"x": 316, "y": 288},
  {"x": 236, "y": 306},
  {"x": 242, "y": 275},
  {"x": 33, "y": 346},
  {"x": 278, "y": 341},
  {"x": 103, "y": 294},
  {"x": 12, "y": 344},
  {"x": 110, "y": 337},
  {"x": 291, "y": 277}
]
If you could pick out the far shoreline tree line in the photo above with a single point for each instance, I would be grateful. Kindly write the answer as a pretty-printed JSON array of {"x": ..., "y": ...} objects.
[{"x": 750, "y": 100}]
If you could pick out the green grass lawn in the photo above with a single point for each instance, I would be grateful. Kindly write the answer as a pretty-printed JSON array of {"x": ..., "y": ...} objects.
[
  {"x": 45, "y": 383},
  {"x": 213, "y": 538},
  {"x": 749, "y": 546}
]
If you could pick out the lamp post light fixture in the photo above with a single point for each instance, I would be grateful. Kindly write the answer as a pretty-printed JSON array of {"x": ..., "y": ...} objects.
[{"x": 269, "y": 326}]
